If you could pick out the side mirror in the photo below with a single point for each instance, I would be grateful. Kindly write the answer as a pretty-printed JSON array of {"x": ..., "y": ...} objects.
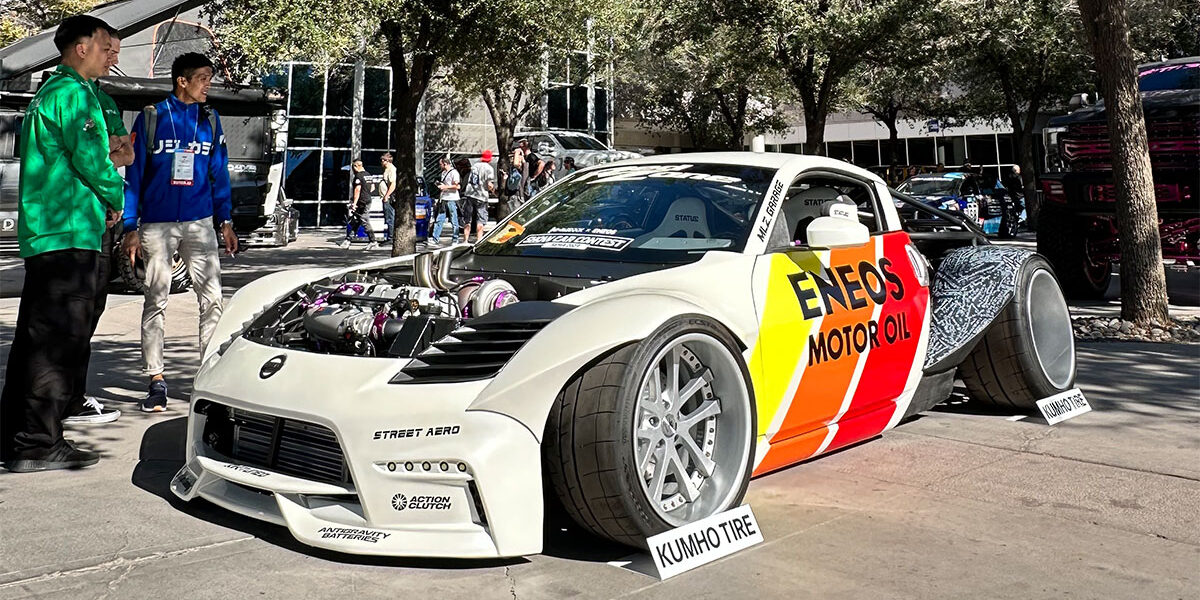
[{"x": 836, "y": 232}]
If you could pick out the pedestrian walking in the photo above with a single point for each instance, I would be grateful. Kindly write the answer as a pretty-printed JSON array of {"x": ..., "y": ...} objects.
[
  {"x": 569, "y": 167},
  {"x": 447, "y": 203},
  {"x": 67, "y": 183},
  {"x": 387, "y": 191},
  {"x": 359, "y": 208},
  {"x": 481, "y": 183},
  {"x": 176, "y": 188},
  {"x": 532, "y": 169},
  {"x": 83, "y": 408}
]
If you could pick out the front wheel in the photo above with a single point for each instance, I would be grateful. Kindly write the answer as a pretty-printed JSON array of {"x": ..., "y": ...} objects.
[{"x": 657, "y": 434}]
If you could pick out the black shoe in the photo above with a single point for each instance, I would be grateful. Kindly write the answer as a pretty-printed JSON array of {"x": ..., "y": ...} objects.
[
  {"x": 156, "y": 400},
  {"x": 90, "y": 412},
  {"x": 63, "y": 456}
]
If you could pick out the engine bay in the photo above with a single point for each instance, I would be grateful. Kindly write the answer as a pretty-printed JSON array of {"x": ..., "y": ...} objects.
[{"x": 381, "y": 313}]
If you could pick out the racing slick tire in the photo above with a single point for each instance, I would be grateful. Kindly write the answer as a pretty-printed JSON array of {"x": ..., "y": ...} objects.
[
  {"x": 1063, "y": 240},
  {"x": 1029, "y": 351},
  {"x": 133, "y": 274},
  {"x": 654, "y": 435}
]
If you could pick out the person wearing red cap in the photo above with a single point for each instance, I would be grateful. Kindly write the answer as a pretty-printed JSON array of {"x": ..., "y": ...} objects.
[{"x": 481, "y": 182}]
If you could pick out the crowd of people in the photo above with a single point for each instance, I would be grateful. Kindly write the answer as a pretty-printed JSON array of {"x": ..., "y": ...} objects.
[
  {"x": 173, "y": 197},
  {"x": 463, "y": 193}
]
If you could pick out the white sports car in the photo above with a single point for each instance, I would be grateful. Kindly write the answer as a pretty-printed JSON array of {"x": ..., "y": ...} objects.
[{"x": 642, "y": 337}]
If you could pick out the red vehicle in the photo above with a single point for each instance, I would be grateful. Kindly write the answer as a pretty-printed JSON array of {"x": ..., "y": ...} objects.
[{"x": 1077, "y": 227}]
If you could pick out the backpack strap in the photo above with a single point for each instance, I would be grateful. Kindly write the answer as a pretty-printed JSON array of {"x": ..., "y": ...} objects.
[{"x": 150, "y": 116}]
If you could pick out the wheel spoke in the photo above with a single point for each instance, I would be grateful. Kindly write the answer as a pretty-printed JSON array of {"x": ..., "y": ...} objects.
[
  {"x": 659, "y": 478},
  {"x": 682, "y": 481},
  {"x": 645, "y": 460},
  {"x": 673, "y": 391},
  {"x": 694, "y": 385},
  {"x": 702, "y": 462},
  {"x": 708, "y": 409}
]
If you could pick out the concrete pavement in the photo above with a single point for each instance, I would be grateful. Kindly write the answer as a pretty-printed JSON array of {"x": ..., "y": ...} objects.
[{"x": 958, "y": 503}]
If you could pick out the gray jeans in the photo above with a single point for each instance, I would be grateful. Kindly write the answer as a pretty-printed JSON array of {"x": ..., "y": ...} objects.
[{"x": 196, "y": 242}]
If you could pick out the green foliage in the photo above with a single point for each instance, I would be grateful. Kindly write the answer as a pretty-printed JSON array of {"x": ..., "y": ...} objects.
[
  {"x": 1013, "y": 58},
  {"x": 1164, "y": 28},
  {"x": 685, "y": 68},
  {"x": 23, "y": 18}
]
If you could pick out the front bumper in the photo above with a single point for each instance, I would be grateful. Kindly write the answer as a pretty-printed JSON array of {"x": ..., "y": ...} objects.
[{"x": 424, "y": 476}]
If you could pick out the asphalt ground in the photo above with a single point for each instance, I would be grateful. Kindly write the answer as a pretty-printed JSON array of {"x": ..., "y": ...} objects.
[{"x": 959, "y": 503}]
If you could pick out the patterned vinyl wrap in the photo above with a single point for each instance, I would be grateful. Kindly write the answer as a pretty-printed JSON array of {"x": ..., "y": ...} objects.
[{"x": 970, "y": 289}]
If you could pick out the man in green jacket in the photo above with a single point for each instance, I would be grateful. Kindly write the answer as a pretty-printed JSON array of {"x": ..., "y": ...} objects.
[
  {"x": 68, "y": 183},
  {"x": 84, "y": 409}
]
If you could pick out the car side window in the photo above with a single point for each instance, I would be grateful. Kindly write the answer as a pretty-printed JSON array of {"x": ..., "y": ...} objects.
[{"x": 809, "y": 197}]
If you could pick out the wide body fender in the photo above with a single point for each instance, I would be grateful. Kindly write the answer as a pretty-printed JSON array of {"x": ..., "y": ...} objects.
[
  {"x": 971, "y": 288},
  {"x": 526, "y": 388}
]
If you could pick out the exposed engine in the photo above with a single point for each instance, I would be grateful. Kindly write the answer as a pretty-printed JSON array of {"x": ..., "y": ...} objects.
[{"x": 375, "y": 314}]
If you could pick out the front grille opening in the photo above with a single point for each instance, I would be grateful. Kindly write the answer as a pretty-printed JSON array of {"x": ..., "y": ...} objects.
[{"x": 287, "y": 446}]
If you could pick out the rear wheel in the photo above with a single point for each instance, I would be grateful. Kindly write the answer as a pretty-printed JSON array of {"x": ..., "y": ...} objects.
[
  {"x": 1029, "y": 352},
  {"x": 656, "y": 435},
  {"x": 1064, "y": 241}
]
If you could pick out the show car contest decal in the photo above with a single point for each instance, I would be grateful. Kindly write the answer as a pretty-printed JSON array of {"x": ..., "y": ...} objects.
[
  {"x": 839, "y": 337},
  {"x": 577, "y": 238}
]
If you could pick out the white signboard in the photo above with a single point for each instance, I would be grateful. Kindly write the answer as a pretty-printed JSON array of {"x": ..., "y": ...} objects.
[
  {"x": 1060, "y": 407},
  {"x": 685, "y": 548}
]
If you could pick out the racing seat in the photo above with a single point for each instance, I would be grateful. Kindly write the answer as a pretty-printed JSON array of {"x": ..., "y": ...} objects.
[
  {"x": 687, "y": 217},
  {"x": 800, "y": 208}
]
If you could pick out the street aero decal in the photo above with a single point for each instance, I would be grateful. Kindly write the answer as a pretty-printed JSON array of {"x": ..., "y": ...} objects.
[{"x": 840, "y": 337}]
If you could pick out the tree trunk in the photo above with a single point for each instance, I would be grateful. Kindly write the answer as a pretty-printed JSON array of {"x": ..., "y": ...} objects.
[
  {"x": 504, "y": 122},
  {"x": 1024, "y": 156},
  {"x": 814, "y": 133},
  {"x": 409, "y": 81},
  {"x": 1143, "y": 282},
  {"x": 893, "y": 142}
]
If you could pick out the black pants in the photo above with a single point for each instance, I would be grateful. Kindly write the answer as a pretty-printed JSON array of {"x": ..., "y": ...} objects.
[
  {"x": 103, "y": 275},
  {"x": 49, "y": 351},
  {"x": 359, "y": 217}
]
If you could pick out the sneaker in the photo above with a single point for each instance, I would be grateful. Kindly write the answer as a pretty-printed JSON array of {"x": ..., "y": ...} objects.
[
  {"x": 64, "y": 456},
  {"x": 432, "y": 242},
  {"x": 345, "y": 245},
  {"x": 93, "y": 412},
  {"x": 371, "y": 246},
  {"x": 156, "y": 400}
]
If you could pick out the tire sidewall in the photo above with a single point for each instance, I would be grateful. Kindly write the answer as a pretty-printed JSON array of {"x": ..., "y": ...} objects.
[
  {"x": 627, "y": 411},
  {"x": 1031, "y": 367}
]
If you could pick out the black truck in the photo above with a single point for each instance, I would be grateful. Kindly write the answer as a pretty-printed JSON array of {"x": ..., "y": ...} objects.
[
  {"x": 254, "y": 123},
  {"x": 1077, "y": 227}
]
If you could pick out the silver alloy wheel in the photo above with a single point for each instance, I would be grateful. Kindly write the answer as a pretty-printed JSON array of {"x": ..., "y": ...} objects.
[
  {"x": 692, "y": 432},
  {"x": 1050, "y": 329}
]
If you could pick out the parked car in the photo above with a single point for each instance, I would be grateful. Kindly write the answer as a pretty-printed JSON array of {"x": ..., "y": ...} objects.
[
  {"x": 639, "y": 340},
  {"x": 585, "y": 149},
  {"x": 982, "y": 199}
]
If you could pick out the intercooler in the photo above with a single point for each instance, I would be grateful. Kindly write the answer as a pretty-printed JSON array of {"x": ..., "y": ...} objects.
[{"x": 285, "y": 446}]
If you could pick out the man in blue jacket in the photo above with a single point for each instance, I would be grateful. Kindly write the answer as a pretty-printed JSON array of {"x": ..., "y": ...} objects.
[{"x": 176, "y": 190}]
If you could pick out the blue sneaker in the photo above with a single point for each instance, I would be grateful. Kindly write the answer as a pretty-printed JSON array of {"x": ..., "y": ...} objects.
[{"x": 156, "y": 400}]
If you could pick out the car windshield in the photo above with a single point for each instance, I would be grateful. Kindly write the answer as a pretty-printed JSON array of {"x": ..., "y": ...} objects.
[
  {"x": 580, "y": 142},
  {"x": 670, "y": 213},
  {"x": 1172, "y": 77},
  {"x": 929, "y": 187}
]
